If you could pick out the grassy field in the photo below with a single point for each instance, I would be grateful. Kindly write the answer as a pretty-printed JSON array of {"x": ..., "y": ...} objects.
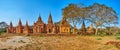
[{"x": 74, "y": 42}]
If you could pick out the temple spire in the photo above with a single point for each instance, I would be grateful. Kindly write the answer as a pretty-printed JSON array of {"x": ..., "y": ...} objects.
[
  {"x": 83, "y": 29},
  {"x": 26, "y": 24},
  {"x": 50, "y": 19},
  {"x": 20, "y": 23},
  {"x": 26, "y": 28},
  {"x": 39, "y": 19},
  {"x": 11, "y": 25},
  {"x": 83, "y": 25}
]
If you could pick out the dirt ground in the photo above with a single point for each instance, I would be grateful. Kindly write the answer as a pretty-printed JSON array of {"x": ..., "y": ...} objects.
[{"x": 56, "y": 42}]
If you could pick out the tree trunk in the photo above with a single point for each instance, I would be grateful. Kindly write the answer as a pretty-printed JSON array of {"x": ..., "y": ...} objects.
[
  {"x": 96, "y": 31},
  {"x": 74, "y": 29}
]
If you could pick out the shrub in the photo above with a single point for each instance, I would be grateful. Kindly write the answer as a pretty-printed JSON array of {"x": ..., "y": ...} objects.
[
  {"x": 117, "y": 34},
  {"x": 99, "y": 38},
  {"x": 117, "y": 37},
  {"x": 102, "y": 34},
  {"x": 4, "y": 49},
  {"x": 21, "y": 41},
  {"x": 1, "y": 33}
]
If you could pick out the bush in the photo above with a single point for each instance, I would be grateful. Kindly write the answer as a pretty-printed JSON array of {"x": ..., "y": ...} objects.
[
  {"x": 2, "y": 30},
  {"x": 4, "y": 49},
  {"x": 99, "y": 38},
  {"x": 102, "y": 34},
  {"x": 117, "y": 34},
  {"x": 117, "y": 37},
  {"x": 21, "y": 41}
]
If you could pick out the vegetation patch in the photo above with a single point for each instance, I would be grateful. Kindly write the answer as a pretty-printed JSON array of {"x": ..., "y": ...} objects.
[
  {"x": 99, "y": 38},
  {"x": 118, "y": 37},
  {"x": 4, "y": 49},
  {"x": 22, "y": 41}
]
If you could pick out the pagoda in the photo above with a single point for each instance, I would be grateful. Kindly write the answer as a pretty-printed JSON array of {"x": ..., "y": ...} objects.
[
  {"x": 19, "y": 28},
  {"x": 39, "y": 26},
  {"x": 10, "y": 29},
  {"x": 26, "y": 28},
  {"x": 64, "y": 26}
]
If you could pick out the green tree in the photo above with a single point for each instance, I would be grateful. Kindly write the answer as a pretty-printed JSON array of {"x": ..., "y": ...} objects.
[
  {"x": 101, "y": 15},
  {"x": 71, "y": 14}
]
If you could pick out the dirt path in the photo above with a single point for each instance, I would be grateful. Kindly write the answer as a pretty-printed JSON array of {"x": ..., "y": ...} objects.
[{"x": 14, "y": 42}]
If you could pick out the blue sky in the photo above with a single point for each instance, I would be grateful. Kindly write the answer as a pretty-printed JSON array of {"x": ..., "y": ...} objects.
[{"x": 29, "y": 10}]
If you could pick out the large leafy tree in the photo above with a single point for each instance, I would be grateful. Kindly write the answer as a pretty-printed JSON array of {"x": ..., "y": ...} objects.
[
  {"x": 71, "y": 14},
  {"x": 101, "y": 15},
  {"x": 75, "y": 13},
  {"x": 98, "y": 14}
]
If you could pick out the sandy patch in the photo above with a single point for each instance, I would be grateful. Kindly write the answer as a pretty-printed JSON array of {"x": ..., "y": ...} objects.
[{"x": 14, "y": 42}]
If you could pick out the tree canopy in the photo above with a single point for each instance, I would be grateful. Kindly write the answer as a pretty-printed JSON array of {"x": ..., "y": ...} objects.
[{"x": 98, "y": 14}]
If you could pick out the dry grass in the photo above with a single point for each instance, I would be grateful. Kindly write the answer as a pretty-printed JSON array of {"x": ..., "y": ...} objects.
[{"x": 69, "y": 43}]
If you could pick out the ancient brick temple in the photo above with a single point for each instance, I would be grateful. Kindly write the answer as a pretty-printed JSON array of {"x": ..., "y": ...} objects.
[
  {"x": 50, "y": 25},
  {"x": 11, "y": 29},
  {"x": 39, "y": 26},
  {"x": 87, "y": 31},
  {"x": 26, "y": 29},
  {"x": 83, "y": 29},
  {"x": 51, "y": 28},
  {"x": 91, "y": 30},
  {"x": 64, "y": 26},
  {"x": 19, "y": 28}
]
